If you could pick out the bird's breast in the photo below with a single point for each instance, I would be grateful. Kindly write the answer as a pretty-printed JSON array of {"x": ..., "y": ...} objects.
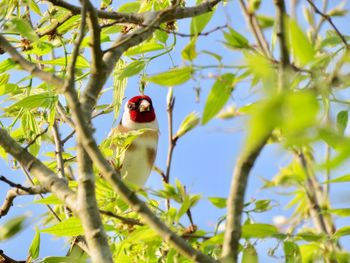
[{"x": 139, "y": 158}]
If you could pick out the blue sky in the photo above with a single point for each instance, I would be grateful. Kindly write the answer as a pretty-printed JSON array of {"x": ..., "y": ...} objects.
[{"x": 204, "y": 158}]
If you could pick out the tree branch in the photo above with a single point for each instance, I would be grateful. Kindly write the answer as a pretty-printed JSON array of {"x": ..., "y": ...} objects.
[
  {"x": 330, "y": 21},
  {"x": 150, "y": 21},
  {"x": 45, "y": 176},
  {"x": 87, "y": 208},
  {"x": 125, "y": 220},
  {"x": 235, "y": 202},
  {"x": 256, "y": 29},
  {"x": 17, "y": 191}
]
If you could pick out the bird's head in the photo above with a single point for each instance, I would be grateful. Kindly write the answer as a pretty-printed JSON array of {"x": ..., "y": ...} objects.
[{"x": 140, "y": 109}]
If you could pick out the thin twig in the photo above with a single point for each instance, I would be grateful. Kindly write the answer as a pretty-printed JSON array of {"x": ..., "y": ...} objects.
[
  {"x": 17, "y": 191},
  {"x": 256, "y": 29},
  {"x": 51, "y": 30},
  {"x": 58, "y": 150},
  {"x": 171, "y": 142},
  {"x": 315, "y": 195},
  {"x": 125, "y": 220},
  {"x": 36, "y": 138},
  {"x": 284, "y": 62},
  {"x": 7, "y": 259},
  {"x": 12, "y": 184},
  {"x": 160, "y": 172},
  {"x": 330, "y": 21},
  {"x": 26, "y": 172}
]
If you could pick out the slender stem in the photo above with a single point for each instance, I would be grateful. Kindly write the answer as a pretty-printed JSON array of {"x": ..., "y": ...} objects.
[
  {"x": 235, "y": 201},
  {"x": 330, "y": 21},
  {"x": 171, "y": 141},
  {"x": 256, "y": 29},
  {"x": 58, "y": 150}
]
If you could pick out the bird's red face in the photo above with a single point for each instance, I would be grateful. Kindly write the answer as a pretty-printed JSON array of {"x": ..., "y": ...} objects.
[{"x": 141, "y": 109}]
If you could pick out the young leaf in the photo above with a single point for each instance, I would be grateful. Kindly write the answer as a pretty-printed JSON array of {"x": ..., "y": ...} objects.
[
  {"x": 219, "y": 202},
  {"x": 173, "y": 77},
  {"x": 342, "y": 121},
  {"x": 43, "y": 100},
  {"x": 132, "y": 69},
  {"x": 6, "y": 65},
  {"x": 301, "y": 47},
  {"x": 218, "y": 96},
  {"x": 292, "y": 252},
  {"x": 189, "y": 52},
  {"x": 119, "y": 88},
  {"x": 343, "y": 231},
  {"x": 340, "y": 179},
  {"x": 186, "y": 204},
  {"x": 188, "y": 124},
  {"x": 129, "y": 7},
  {"x": 198, "y": 23},
  {"x": 11, "y": 227},
  {"x": 143, "y": 48},
  {"x": 249, "y": 255},
  {"x": 81, "y": 62},
  {"x": 34, "y": 248},
  {"x": 21, "y": 26},
  {"x": 258, "y": 230},
  {"x": 69, "y": 227},
  {"x": 235, "y": 40}
]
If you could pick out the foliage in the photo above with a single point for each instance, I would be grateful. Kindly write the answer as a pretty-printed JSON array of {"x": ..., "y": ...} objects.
[{"x": 302, "y": 108}]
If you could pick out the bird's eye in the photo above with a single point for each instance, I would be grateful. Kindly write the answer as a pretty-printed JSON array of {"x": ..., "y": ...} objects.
[{"x": 131, "y": 106}]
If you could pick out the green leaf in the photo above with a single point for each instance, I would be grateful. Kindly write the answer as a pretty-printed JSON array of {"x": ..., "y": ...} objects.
[
  {"x": 34, "y": 248},
  {"x": 50, "y": 200},
  {"x": 6, "y": 65},
  {"x": 8, "y": 89},
  {"x": 340, "y": 179},
  {"x": 198, "y": 23},
  {"x": 4, "y": 79},
  {"x": 81, "y": 62},
  {"x": 189, "y": 52},
  {"x": 132, "y": 7},
  {"x": 173, "y": 77},
  {"x": 11, "y": 227},
  {"x": 249, "y": 255},
  {"x": 186, "y": 204},
  {"x": 119, "y": 86},
  {"x": 219, "y": 202},
  {"x": 342, "y": 121},
  {"x": 70, "y": 227},
  {"x": 41, "y": 48},
  {"x": 68, "y": 25},
  {"x": 34, "y": 7},
  {"x": 291, "y": 252},
  {"x": 143, "y": 48},
  {"x": 262, "y": 206},
  {"x": 340, "y": 211},
  {"x": 218, "y": 96},
  {"x": 43, "y": 100},
  {"x": 265, "y": 21},
  {"x": 253, "y": 5},
  {"x": 301, "y": 47},
  {"x": 212, "y": 54},
  {"x": 188, "y": 124},
  {"x": 132, "y": 69},
  {"x": 22, "y": 26},
  {"x": 235, "y": 40},
  {"x": 258, "y": 230},
  {"x": 343, "y": 231}
]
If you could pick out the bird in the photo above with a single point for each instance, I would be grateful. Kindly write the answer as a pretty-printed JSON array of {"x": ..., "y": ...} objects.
[{"x": 137, "y": 162}]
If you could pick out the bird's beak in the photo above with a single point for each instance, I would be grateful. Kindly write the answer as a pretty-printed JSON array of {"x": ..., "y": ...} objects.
[{"x": 144, "y": 106}]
